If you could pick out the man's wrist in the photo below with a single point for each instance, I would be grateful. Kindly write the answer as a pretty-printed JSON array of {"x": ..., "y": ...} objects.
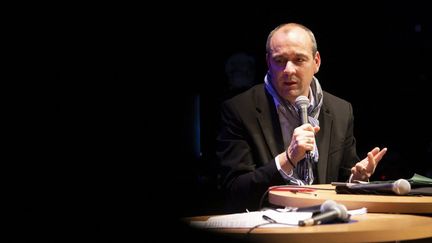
[
  {"x": 283, "y": 168},
  {"x": 289, "y": 160}
]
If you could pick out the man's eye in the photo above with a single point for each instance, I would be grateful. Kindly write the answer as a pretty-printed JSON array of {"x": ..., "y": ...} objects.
[{"x": 280, "y": 61}]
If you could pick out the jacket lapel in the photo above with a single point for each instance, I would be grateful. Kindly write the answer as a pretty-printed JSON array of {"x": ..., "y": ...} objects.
[
  {"x": 270, "y": 127},
  {"x": 272, "y": 134},
  {"x": 323, "y": 142}
]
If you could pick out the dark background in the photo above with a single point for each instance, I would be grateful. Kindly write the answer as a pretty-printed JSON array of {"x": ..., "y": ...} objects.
[
  {"x": 375, "y": 56},
  {"x": 132, "y": 85}
]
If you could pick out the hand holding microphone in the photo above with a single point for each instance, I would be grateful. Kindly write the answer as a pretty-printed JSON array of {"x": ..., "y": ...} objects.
[
  {"x": 304, "y": 135},
  {"x": 302, "y": 141},
  {"x": 303, "y": 138}
]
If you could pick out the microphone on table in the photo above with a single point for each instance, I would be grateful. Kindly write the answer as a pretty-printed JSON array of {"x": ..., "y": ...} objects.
[
  {"x": 399, "y": 187},
  {"x": 330, "y": 212},
  {"x": 302, "y": 104}
]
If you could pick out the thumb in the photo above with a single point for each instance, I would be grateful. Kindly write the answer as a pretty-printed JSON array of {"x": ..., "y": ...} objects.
[{"x": 316, "y": 129}]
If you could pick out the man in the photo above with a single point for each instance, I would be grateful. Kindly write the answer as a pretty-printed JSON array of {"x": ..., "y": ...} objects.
[{"x": 262, "y": 141}]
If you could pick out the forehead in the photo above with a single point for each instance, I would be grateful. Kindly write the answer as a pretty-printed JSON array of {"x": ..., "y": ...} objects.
[{"x": 291, "y": 38}]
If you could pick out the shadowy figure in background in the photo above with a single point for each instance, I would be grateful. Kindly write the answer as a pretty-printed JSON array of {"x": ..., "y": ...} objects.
[{"x": 240, "y": 72}]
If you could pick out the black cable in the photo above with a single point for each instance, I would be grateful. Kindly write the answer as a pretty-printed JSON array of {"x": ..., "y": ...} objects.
[
  {"x": 270, "y": 221},
  {"x": 263, "y": 197},
  {"x": 256, "y": 226}
]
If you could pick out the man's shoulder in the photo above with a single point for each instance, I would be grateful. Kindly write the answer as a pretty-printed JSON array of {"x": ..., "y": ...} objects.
[
  {"x": 255, "y": 92},
  {"x": 333, "y": 99},
  {"x": 335, "y": 104}
]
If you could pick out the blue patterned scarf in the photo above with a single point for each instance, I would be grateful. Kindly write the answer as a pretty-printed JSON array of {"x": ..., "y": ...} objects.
[{"x": 303, "y": 169}]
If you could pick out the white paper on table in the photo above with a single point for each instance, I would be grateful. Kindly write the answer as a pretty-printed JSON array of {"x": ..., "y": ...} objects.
[
  {"x": 254, "y": 218},
  {"x": 251, "y": 219}
]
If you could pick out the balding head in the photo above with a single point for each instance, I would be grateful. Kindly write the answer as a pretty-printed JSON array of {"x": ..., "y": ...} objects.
[{"x": 285, "y": 28}]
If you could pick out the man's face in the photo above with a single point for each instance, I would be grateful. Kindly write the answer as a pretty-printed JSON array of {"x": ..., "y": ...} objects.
[{"x": 291, "y": 62}]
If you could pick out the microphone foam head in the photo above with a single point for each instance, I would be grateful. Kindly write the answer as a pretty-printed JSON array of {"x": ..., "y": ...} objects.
[
  {"x": 343, "y": 212},
  {"x": 302, "y": 101},
  {"x": 330, "y": 205},
  {"x": 327, "y": 206},
  {"x": 401, "y": 187}
]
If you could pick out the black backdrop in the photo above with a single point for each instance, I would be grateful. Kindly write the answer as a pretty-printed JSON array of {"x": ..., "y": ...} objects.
[
  {"x": 374, "y": 56},
  {"x": 125, "y": 155}
]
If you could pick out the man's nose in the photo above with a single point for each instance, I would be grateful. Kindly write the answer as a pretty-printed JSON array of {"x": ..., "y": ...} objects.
[{"x": 289, "y": 67}]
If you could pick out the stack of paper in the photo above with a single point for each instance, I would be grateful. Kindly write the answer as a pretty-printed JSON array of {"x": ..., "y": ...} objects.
[{"x": 252, "y": 219}]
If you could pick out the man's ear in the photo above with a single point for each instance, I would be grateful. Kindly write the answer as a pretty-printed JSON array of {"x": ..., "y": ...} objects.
[{"x": 317, "y": 61}]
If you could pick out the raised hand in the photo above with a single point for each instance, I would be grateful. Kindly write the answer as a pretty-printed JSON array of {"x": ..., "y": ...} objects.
[{"x": 364, "y": 169}]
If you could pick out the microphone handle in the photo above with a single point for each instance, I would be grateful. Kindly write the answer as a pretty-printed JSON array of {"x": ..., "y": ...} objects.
[
  {"x": 347, "y": 190},
  {"x": 377, "y": 186},
  {"x": 304, "y": 115},
  {"x": 304, "y": 120},
  {"x": 320, "y": 218},
  {"x": 377, "y": 189},
  {"x": 399, "y": 187}
]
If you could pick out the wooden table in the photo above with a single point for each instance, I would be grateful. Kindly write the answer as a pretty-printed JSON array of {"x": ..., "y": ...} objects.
[
  {"x": 373, "y": 203},
  {"x": 370, "y": 227}
]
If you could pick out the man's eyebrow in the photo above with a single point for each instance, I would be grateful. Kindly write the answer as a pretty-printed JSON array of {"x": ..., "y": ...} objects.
[
  {"x": 301, "y": 55},
  {"x": 296, "y": 55}
]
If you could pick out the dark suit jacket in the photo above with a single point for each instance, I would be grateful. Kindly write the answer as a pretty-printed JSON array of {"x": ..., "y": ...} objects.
[{"x": 251, "y": 137}]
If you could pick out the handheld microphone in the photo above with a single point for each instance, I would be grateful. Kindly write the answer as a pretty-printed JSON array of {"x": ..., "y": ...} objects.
[
  {"x": 330, "y": 211},
  {"x": 302, "y": 104},
  {"x": 399, "y": 187}
]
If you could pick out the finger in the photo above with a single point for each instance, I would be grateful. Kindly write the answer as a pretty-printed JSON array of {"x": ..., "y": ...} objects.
[
  {"x": 379, "y": 156},
  {"x": 360, "y": 168},
  {"x": 308, "y": 127},
  {"x": 370, "y": 167},
  {"x": 310, "y": 136},
  {"x": 308, "y": 146},
  {"x": 310, "y": 140},
  {"x": 356, "y": 170},
  {"x": 375, "y": 151},
  {"x": 307, "y": 140},
  {"x": 316, "y": 129}
]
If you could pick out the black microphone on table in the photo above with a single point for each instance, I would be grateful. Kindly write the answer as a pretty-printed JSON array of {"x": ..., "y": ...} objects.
[
  {"x": 399, "y": 187},
  {"x": 330, "y": 212},
  {"x": 302, "y": 104}
]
